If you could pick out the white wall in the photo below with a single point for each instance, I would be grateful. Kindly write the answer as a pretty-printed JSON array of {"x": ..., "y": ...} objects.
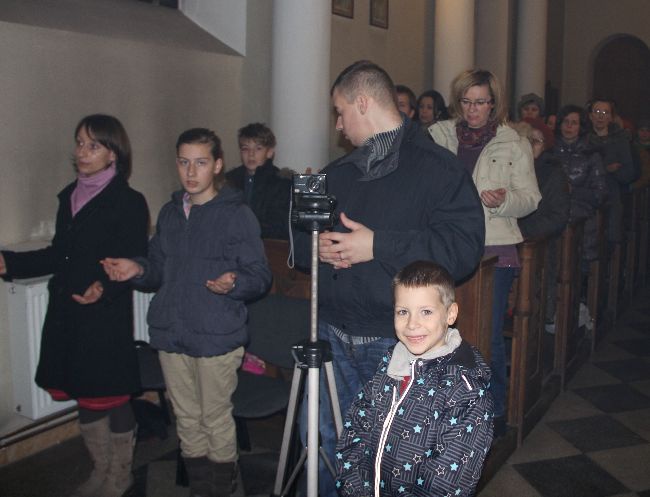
[
  {"x": 587, "y": 24},
  {"x": 52, "y": 78},
  {"x": 224, "y": 19},
  {"x": 401, "y": 49}
]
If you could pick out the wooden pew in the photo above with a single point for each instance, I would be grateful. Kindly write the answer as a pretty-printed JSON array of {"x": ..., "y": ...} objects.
[
  {"x": 596, "y": 290},
  {"x": 474, "y": 297},
  {"x": 631, "y": 208},
  {"x": 567, "y": 335},
  {"x": 528, "y": 398},
  {"x": 643, "y": 223},
  {"x": 286, "y": 281}
]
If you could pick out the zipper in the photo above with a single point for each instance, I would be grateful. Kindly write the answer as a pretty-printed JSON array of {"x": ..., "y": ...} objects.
[{"x": 395, "y": 403}]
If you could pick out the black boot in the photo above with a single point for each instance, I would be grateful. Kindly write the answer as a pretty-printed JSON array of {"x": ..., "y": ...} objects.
[
  {"x": 199, "y": 474},
  {"x": 224, "y": 478}
]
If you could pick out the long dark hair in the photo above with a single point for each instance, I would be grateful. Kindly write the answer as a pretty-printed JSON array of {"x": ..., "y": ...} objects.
[{"x": 108, "y": 131}]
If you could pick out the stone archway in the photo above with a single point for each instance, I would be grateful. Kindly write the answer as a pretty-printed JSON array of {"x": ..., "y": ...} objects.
[{"x": 622, "y": 72}]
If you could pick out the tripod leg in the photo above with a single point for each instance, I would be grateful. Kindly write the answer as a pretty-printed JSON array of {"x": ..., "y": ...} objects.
[
  {"x": 294, "y": 473},
  {"x": 312, "y": 431},
  {"x": 327, "y": 462},
  {"x": 334, "y": 398},
  {"x": 288, "y": 430}
]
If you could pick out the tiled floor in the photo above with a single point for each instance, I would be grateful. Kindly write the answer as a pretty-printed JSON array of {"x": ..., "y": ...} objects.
[
  {"x": 593, "y": 442},
  {"x": 595, "y": 439}
]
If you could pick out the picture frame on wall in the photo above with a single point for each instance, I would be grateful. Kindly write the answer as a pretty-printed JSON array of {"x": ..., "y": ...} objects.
[
  {"x": 379, "y": 13},
  {"x": 343, "y": 8}
]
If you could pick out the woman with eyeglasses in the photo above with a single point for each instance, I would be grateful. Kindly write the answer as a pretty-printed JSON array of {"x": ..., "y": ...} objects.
[
  {"x": 501, "y": 164},
  {"x": 614, "y": 144}
]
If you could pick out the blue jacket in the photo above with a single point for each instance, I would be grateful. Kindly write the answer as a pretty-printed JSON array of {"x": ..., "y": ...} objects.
[
  {"x": 421, "y": 205},
  {"x": 219, "y": 236},
  {"x": 429, "y": 441}
]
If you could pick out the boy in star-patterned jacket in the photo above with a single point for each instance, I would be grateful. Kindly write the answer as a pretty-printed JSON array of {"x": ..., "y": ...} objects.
[{"x": 423, "y": 425}]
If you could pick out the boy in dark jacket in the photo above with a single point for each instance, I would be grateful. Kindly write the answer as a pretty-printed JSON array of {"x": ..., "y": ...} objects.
[
  {"x": 423, "y": 425},
  {"x": 266, "y": 191},
  {"x": 206, "y": 259}
]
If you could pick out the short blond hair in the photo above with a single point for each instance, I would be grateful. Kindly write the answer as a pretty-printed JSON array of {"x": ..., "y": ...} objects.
[{"x": 478, "y": 77}]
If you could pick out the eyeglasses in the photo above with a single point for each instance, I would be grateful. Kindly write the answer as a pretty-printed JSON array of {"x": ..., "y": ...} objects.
[
  {"x": 537, "y": 140},
  {"x": 601, "y": 112},
  {"x": 466, "y": 102}
]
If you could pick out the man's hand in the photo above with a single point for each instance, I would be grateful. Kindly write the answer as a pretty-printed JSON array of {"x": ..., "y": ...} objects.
[
  {"x": 223, "y": 284},
  {"x": 91, "y": 295},
  {"x": 493, "y": 198},
  {"x": 3, "y": 265},
  {"x": 341, "y": 250},
  {"x": 121, "y": 269}
]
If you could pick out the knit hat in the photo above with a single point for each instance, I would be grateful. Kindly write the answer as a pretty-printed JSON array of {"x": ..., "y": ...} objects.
[{"x": 531, "y": 98}]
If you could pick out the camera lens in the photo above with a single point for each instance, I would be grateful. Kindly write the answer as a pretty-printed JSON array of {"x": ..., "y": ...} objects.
[{"x": 314, "y": 184}]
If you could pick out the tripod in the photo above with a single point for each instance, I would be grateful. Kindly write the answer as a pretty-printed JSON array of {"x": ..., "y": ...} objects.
[{"x": 310, "y": 356}]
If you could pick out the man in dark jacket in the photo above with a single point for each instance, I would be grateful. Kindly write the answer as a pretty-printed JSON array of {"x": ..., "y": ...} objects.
[
  {"x": 265, "y": 191},
  {"x": 614, "y": 145},
  {"x": 400, "y": 198}
]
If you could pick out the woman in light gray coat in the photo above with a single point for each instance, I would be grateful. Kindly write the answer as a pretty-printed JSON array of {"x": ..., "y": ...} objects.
[{"x": 501, "y": 164}]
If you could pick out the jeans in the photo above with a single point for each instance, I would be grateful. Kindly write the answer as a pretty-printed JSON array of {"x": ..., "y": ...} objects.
[
  {"x": 354, "y": 365},
  {"x": 503, "y": 278}
]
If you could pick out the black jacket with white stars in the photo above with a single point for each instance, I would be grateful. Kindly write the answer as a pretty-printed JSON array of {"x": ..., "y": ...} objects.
[{"x": 430, "y": 440}]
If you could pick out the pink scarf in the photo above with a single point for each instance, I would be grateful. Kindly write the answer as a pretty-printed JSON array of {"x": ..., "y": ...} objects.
[{"x": 88, "y": 187}]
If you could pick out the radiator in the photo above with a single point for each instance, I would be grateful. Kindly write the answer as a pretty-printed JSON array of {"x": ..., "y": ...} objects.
[
  {"x": 141, "y": 303},
  {"x": 27, "y": 306}
]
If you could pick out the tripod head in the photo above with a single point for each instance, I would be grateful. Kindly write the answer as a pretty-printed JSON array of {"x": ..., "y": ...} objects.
[{"x": 312, "y": 207}]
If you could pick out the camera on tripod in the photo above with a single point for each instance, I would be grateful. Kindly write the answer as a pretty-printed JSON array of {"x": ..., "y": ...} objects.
[{"x": 313, "y": 207}]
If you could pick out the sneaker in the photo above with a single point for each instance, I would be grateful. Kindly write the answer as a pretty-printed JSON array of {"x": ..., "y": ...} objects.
[{"x": 584, "y": 318}]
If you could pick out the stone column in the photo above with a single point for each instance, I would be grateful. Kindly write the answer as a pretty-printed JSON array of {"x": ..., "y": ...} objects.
[
  {"x": 453, "y": 42},
  {"x": 300, "y": 81},
  {"x": 530, "y": 72}
]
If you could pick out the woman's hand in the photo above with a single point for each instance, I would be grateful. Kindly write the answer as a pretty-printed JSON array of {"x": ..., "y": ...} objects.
[
  {"x": 91, "y": 295},
  {"x": 223, "y": 284},
  {"x": 493, "y": 198},
  {"x": 3, "y": 265},
  {"x": 121, "y": 269}
]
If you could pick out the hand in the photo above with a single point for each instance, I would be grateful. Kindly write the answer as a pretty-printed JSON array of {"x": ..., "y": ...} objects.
[
  {"x": 613, "y": 167},
  {"x": 121, "y": 269},
  {"x": 341, "y": 250},
  {"x": 3, "y": 265},
  {"x": 493, "y": 198},
  {"x": 223, "y": 284},
  {"x": 91, "y": 295}
]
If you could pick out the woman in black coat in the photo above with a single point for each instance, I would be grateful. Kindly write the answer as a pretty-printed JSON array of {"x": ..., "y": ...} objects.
[{"x": 87, "y": 350}]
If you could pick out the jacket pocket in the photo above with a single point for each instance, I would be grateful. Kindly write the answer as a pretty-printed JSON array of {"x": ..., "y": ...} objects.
[{"x": 500, "y": 171}]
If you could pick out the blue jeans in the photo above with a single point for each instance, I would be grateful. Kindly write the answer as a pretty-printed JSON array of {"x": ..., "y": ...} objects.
[
  {"x": 354, "y": 365},
  {"x": 503, "y": 278}
]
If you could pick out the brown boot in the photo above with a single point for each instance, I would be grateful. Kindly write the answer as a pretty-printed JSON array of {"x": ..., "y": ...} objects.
[
  {"x": 224, "y": 478},
  {"x": 97, "y": 438},
  {"x": 199, "y": 474},
  {"x": 119, "y": 478}
]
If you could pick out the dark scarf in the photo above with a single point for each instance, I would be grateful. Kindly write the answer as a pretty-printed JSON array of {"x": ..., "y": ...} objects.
[
  {"x": 472, "y": 141},
  {"x": 475, "y": 137}
]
